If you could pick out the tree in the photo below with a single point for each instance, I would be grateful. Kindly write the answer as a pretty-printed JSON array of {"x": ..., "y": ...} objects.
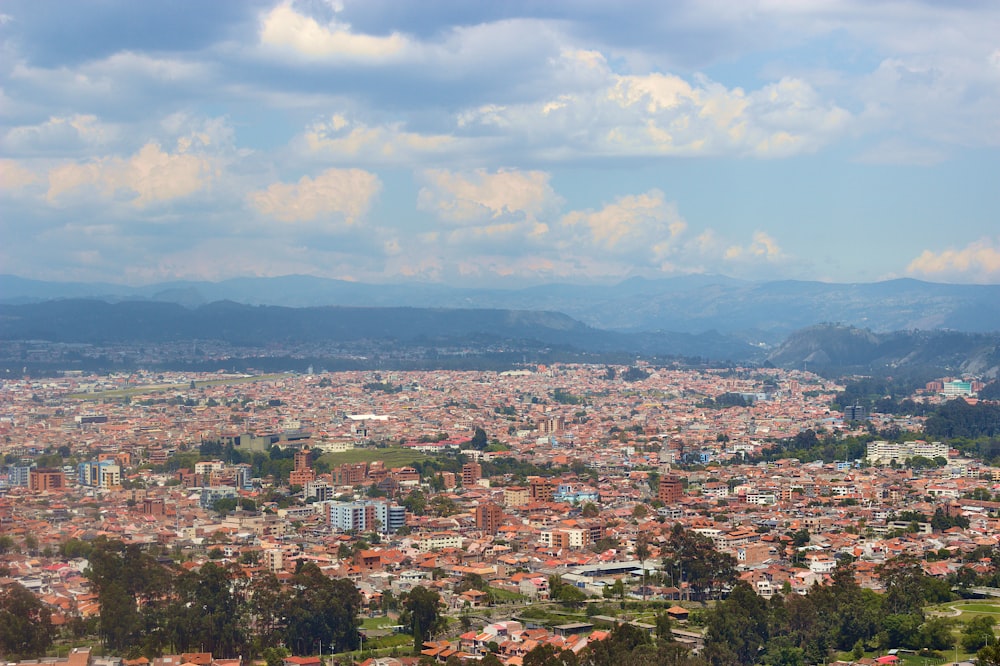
[
  {"x": 564, "y": 593},
  {"x": 627, "y": 644},
  {"x": 547, "y": 654},
  {"x": 642, "y": 552},
  {"x": 904, "y": 586},
  {"x": 422, "y": 614},
  {"x": 977, "y": 633},
  {"x": 479, "y": 440},
  {"x": 989, "y": 655},
  {"x": 663, "y": 626},
  {"x": 25, "y": 624},
  {"x": 415, "y": 502},
  {"x": 225, "y": 505},
  {"x": 322, "y": 609},
  {"x": 267, "y": 600},
  {"x": 132, "y": 590},
  {"x": 935, "y": 634},
  {"x": 207, "y": 613},
  {"x": 692, "y": 558},
  {"x": 737, "y": 628}
]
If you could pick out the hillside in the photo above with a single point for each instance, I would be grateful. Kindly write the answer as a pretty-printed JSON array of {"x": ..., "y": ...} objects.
[
  {"x": 754, "y": 311},
  {"x": 99, "y": 322},
  {"x": 838, "y": 350}
]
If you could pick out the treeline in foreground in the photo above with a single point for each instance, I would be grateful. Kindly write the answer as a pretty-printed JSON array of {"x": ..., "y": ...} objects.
[{"x": 152, "y": 607}]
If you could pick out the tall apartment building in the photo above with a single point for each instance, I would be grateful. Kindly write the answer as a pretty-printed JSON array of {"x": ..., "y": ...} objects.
[
  {"x": 303, "y": 472},
  {"x": 670, "y": 490},
  {"x": 321, "y": 491},
  {"x": 541, "y": 490},
  {"x": 489, "y": 518},
  {"x": 883, "y": 452},
  {"x": 46, "y": 478},
  {"x": 366, "y": 516},
  {"x": 551, "y": 425},
  {"x": 20, "y": 475},
  {"x": 471, "y": 473},
  {"x": 303, "y": 458},
  {"x": 102, "y": 474},
  {"x": 350, "y": 474}
]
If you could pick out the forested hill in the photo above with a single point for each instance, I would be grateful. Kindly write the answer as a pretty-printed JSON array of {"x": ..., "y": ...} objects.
[
  {"x": 765, "y": 311},
  {"x": 100, "y": 322},
  {"x": 839, "y": 350}
]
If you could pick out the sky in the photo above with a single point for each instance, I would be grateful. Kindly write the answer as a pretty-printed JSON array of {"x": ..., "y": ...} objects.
[{"x": 497, "y": 143}]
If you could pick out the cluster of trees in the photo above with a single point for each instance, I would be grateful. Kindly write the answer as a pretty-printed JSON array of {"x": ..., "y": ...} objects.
[
  {"x": 957, "y": 418},
  {"x": 794, "y": 629},
  {"x": 788, "y": 630},
  {"x": 150, "y": 607},
  {"x": 725, "y": 400},
  {"x": 692, "y": 558},
  {"x": 884, "y": 395},
  {"x": 25, "y": 624},
  {"x": 808, "y": 445}
]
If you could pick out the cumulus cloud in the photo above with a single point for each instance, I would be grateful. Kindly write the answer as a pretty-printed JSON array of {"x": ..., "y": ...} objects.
[
  {"x": 482, "y": 196},
  {"x": 335, "y": 194},
  {"x": 150, "y": 175},
  {"x": 286, "y": 28},
  {"x": 60, "y": 134},
  {"x": 979, "y": 261},
  {"x": 762, "y": 248},
  {"x": 645, "y": 226},
  {"x": 662, "y": 113},
  {"x": 14, "y": 176},
  {"x": 342, "y": 138}
]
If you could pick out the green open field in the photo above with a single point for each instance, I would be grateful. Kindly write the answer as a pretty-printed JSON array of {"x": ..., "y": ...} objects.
[
  {"x": 966, "y": 610},
  {"x": 159, "y": 388},
  {"x": 393, "y": 456}
]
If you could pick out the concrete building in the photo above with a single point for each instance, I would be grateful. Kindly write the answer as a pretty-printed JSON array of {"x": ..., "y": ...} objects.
[
  {"x": 882, "y": 452},
  {"x": 670, "y": 490},
  {"x": 488, "y": 518},
  {"x": 366, "y": 516}
]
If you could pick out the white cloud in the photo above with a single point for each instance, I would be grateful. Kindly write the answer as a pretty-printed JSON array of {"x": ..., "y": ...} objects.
[
  {"x": 481, "y": 196},
  {"x": 979, "y": 261},
  {"x": 337, "y": 194},
  {"x": 762, "y": 248},
  {"x": 285, "y": 28},
  {"x": 150, "y": 175},
  {"x": 61, "y": 133},
  {"x": 14, "y": 176},
  {"x": 663, "y": 114},
  {"x": 644, "y": 226},
  {"x": 340, "y": 138}
]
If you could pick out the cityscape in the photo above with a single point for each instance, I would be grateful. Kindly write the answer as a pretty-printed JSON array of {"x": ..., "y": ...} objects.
[
  {"x": 517, "y": 333},
  {"x": 541, "y": 508}
]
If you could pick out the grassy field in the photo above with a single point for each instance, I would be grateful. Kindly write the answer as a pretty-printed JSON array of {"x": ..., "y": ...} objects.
[
  {"x": 159, "y": 388},
  {"x": 966, "y": 610},
  {"x": 393, "y": 456},
  {"x": 977, "y": 607}
]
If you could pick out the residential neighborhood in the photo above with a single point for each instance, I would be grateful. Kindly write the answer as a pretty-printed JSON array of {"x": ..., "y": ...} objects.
[{"x": 501, "y": 492}]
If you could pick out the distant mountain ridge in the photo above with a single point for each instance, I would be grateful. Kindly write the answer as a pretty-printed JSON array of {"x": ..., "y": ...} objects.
[
  {"x": 328, "y": 331},
  {"x": 100, "y": 322},
  {"x": 833, "y": 349},
  {"x": 753, "y": 311}
]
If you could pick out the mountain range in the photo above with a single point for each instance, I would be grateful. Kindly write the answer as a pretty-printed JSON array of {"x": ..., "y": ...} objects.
[
  {"x": 887, "y": 327},
  {"x": 756, "y": 312}
]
